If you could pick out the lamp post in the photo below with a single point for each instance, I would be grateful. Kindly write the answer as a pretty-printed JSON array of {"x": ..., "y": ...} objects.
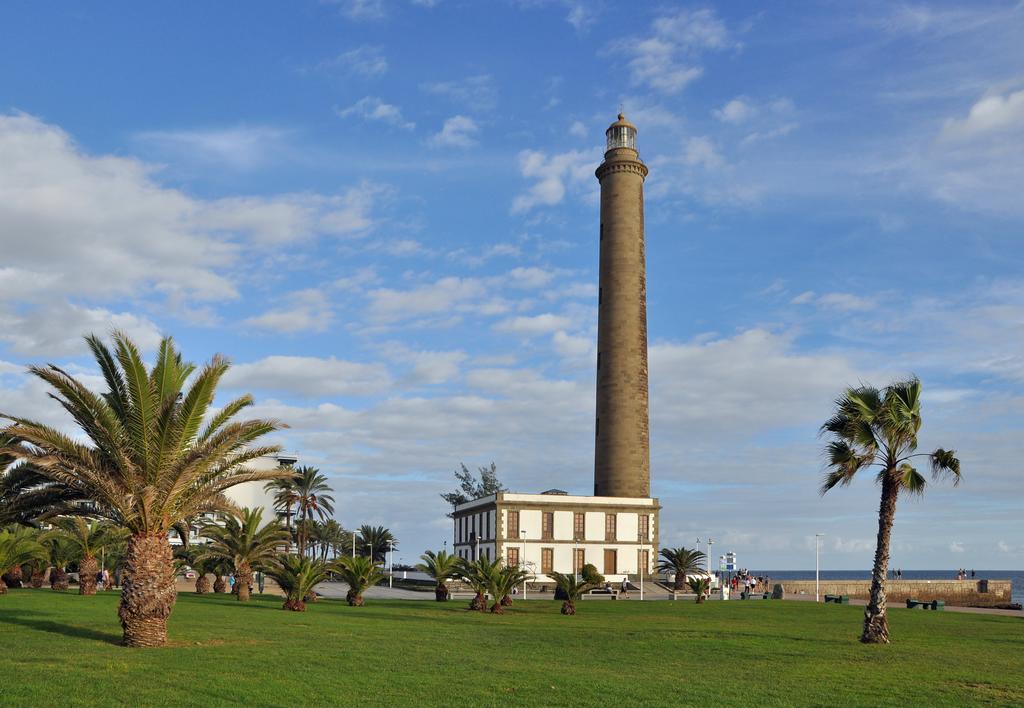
[
  {"x": 522, "y": 535},
  {"x": 391, "y": 562},
  {"x": 640, "y": 569},
  {"x": 817, "y": 581}
]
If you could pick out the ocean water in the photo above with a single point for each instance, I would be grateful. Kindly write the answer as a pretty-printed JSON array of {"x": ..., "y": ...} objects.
[{"x": 1017, "y": 576}]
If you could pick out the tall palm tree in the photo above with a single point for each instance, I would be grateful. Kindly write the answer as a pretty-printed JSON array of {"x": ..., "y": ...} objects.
[
  {"x": 878, "y": 429},
  {"x": 285, "y": 498},
  {"x": 86, "y": 539},
  {"x": 244, "y": 543},
  {"x": 313, "y": 501},
  {"x": 154, "y": 457},
  {"x": 572, "y": 589},
  {"x": 441, "y": 566},
  {"x": 297, "y": 576},
  {"x": 682, "y": 562},
  {"x": 331, "y": 537},
  {"x": 375, "y": 542},
  {"x": 18, "y": 546},
  {"x": 360, "y": 573}
]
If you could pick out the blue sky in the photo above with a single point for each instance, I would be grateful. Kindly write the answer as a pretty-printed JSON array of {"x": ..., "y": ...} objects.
[{"x": 385, "y": 213}]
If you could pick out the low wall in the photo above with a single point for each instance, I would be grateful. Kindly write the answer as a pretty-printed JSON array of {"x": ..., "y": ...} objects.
[{"x": 965, "y": 593}]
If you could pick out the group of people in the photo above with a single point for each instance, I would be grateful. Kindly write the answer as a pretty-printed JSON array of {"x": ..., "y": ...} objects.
[
  {"x": 962, "y": 574},
  {"x": 748, "y": 583},
  {"x": 103, "y": 579}
]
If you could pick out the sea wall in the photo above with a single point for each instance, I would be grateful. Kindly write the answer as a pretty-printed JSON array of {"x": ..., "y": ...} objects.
[{"x": 965, "y": 593}]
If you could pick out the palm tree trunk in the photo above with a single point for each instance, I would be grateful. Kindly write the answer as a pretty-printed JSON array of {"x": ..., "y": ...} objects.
[
  {"x": 680, "y": 581},
  {"x": 12, "y": 577},
  {"x": 497, "y": 608},
  {"x": 219, "y": 584},
  {"x": 568, "y": 607},
  {"x": 3, "y": 586},
  {"x": 38, "y": 577},
  {"x": 243, "y": 579},
  {"x": 202, "y": 584},
  {"x": 148, "y": 594},
  {"x": 58, "y": 579},
  {"x": 294, "y": 605},
  {"x": 441, "y": 592},
  {"x": 876, "y": 623},
  {"x": 87, "y": 569}
]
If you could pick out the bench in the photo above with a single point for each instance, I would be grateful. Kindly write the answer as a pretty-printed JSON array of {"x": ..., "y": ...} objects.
[
  {"x": 936, "y": 605},
  {"x": 601, "y": 595},
  {"x": 838, "y": 599},
  {"x": 464, "y": 595}
]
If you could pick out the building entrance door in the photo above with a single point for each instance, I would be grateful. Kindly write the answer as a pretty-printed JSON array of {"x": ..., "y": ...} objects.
[{"x": 610, "y": 561}]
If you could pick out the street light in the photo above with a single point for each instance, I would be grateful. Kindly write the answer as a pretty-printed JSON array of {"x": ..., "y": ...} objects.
[
  {"x": 640, "y": 562},
  {"x": 817, "y": 581},
  {"x": 522, "y": 535},
  {"x": 391, "y": 562}
]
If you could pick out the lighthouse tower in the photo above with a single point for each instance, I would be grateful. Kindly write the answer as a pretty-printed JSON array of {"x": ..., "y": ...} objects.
[{"x": 622, "y": 446}]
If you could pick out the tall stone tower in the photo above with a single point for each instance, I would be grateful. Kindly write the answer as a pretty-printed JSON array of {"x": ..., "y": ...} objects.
[{"x": 622, "y": 457}]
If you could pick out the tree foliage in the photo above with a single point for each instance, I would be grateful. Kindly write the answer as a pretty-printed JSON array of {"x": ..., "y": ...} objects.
[{"x": 472, "y": 488}]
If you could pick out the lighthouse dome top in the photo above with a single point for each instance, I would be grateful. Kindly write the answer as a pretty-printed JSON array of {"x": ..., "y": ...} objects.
[{"x": 621, "y": 134}]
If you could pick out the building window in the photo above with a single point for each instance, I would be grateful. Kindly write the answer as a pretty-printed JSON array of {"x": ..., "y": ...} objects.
[
  {"x": 644, "y": 532},
  {"x": 547, "y": 529},
  {"x": 513, "y": 524},
  {"x": 579, "y": 559},
  {"x": 512, "y": 557},
  {"x": 579, "y": 525},
  {"x": 643, "y": 560},
  {"x": 610, "y": 562},
  {"x": 547, "y": 560},
  {"x": 609, "y": 527}
]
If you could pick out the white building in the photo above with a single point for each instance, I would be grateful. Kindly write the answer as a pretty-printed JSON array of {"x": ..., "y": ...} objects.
[{"x": 558, "y": 532}]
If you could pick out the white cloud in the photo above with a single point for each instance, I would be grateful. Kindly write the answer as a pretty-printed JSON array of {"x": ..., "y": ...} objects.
[
  {"x": 843, "y": 302},
  {"x": 475, "y": 92},
  {"x": 309, "y": 376},
  {"x": 372, "y": 108},
  {"x": 738, "y": 110},
  {"x": 552, "y": 175},
  {"x": 957, "y": 547},
  {"x": 427, "y": 367},
  {"x": 362, "y": 9},
  {"x": 533, "y": 325},
  {"x": 992, "y": 114},
  {"x": 57, "y": 329},
  {"x": 389, "y": 305},
  {"x": 240, "y": 147},
  {"x": 700, "y": 151},
  {"x": 577, "y": 129},
  {"x": 366, "y": 61},
  {"x": 306, "y": 311},
  {"x": 458, "y": 131},
  {"x": 667, "y": 60}
]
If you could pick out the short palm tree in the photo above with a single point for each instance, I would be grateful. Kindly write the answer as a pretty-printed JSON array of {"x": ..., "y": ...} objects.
[
  {"x": 86, "y": 539},
  {"x": 61, "y": 553},
  {"x": 297, "y": 576},
  {"x": 313, "y": 500},
  {"x": 878, "y": 429},
  {"x": 375, "y": 542},
  {"x": 682, "y": 562},
  {"x": 18, "y": 546},
  {"x": 572, "y": 589},
  {"x": 441, "y": 566},
  {"x": 245, "y": 543},
  {"x": 194, "y": 559},
  {"x": 477, "y": 574},
  {"x": 156, "y": 454},
  {"x": 360, "y": 573},
  {"x": 500, "y": 584},
  {"x": 700, "y": 585}
]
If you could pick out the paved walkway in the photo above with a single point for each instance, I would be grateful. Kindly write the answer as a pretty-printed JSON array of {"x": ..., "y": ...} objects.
[{"x": 949, "y": 608}]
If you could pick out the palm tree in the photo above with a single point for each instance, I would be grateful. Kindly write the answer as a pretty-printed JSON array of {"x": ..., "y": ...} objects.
[
  {"x": 283, "y": 491},
  {"x": 375, "y": 542},
  {"x": 153, "y": 458},
  {"x": 25, "y": 494},
  {"x": 331, "y": 537},
  {"x": 682, "y": 562},
  {"x": 312, "y": 499},
  {"x": 360, "y": 573},
  {"x": 699, "y": 584},
  {"x": 571, "y": 589},
  {"x": 477, "y": 574},
  {"x": 85, "y": 539},
  {"x": 440, "y": 566},
  {"x": 500, "y": 584},
  {"x": 873, "y": 428},
  {"x": 61, "y": 552},
  {"x": 194, "y": 559},
  {"x": 297, "y": 576},
  {"x": 245, "y": 544},
  {"x": 18, "y": 546}
]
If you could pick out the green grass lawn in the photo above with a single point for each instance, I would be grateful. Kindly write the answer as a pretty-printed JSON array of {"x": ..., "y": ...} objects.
[{"x": 60, "y": 648}]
